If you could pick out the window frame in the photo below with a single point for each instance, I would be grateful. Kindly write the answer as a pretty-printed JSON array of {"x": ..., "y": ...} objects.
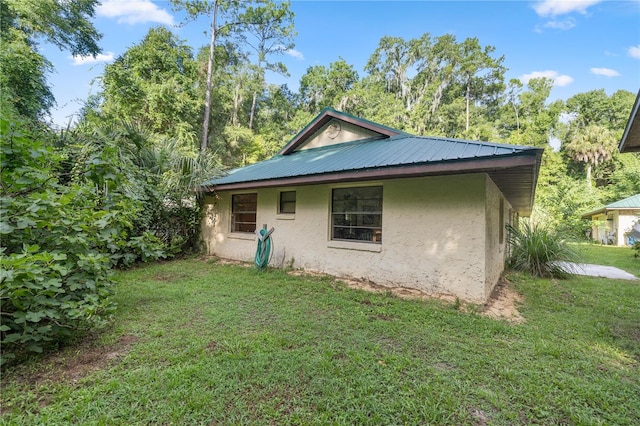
[
  {"x": 233, "y": 223},
  {"x": 364, "y": 221},
  {"x": 281, "y": 211}
]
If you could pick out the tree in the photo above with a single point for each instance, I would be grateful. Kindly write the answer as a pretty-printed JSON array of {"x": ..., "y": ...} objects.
[
  {"x": 480, "y": 75},
  {"x": 228, "y": 17},
  {"x": 324, "y": 87},
  {"x": 527, "y": 118},
  {"x": 270, "y": 32},
  {"x": 66, "y": 24},
  {"x": 390, "y": 63},
  {"x": 23, "y": 74},
  {"x": 154, "y": 84},
  {"x": 591, "y": 145}
]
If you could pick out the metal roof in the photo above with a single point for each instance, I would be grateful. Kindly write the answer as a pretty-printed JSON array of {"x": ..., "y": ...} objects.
[
  {"x": 368, "y": 154},
  {"x": 391, "y": 154},
  {"x": 632, "y": 202},
  {"x": 630, "y": 141}
]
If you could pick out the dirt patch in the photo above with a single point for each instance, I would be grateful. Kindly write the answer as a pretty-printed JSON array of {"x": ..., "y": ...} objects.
[
  {"x": 366, "y": 285},
  {"x": 223, "y": 261},
  {"x": 503, "y": 303},
  {"x": 71, "y": 365}
]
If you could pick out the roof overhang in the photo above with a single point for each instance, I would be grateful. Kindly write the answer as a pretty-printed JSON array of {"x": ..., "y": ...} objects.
[
  {"x": 516, "y": 176},
  {"x": 605, "y": 210},
  {"x": 630, "y": 141}
]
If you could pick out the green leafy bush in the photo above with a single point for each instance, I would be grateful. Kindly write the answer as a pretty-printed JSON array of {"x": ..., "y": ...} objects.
[
  {"x": 59, "y": 242},
  {"x": 538, "y": 250},
  {"x": 636, "y": 247}
]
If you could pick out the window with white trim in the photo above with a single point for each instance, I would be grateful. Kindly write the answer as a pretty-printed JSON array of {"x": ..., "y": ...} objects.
[
  {"x": 356, "y": 214},
  {"x": 244, "y": 209}
]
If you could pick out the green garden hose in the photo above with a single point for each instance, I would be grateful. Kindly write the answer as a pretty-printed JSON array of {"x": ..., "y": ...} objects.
[{"x": 263, "y": 251}]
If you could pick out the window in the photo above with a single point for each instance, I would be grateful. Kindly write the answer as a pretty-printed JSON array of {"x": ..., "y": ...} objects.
[
  {"x": 287, "y": 202},
  {"x": 243, "y": 212},
  {"x": 356, "y": 214}
]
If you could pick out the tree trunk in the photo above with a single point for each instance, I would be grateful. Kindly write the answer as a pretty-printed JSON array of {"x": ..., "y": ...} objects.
[
  {"x": 468, "y": 96},
  {"x": 253, "y": 110},
  {"x": 207, "y": 96},
  {"x": 236, "y": 105},
  {"x": 589, "y": 175}
]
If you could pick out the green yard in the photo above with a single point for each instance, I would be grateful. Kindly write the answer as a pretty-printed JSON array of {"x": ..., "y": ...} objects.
[
  {"x": 199, "y": 342},
  {"x": 620, "y": 257}
]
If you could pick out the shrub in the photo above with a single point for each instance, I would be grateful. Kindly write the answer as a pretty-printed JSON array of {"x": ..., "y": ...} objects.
[
  {"x": 538, "y": 250},
  {"x": 59, "y": 242}
]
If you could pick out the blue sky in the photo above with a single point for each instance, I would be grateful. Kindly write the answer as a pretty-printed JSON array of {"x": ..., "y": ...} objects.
[{"x": 582, "y": 44}]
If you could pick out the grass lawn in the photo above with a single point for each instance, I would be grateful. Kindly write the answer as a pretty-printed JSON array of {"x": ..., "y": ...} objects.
[
  {"x": 620, "y": 257},
  {"x": 198, "y": 342}
]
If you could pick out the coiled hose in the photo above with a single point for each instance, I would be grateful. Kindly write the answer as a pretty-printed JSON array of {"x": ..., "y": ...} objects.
[{"x": 263, "y": 251}]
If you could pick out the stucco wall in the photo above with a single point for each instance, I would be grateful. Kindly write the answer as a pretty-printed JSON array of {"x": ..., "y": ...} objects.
[
  {"x": 496, "y": 235},
  {"x": 434, "y": 235},
  {"x": 620, "y": 221},
  {"x": 627, "y": 219}
]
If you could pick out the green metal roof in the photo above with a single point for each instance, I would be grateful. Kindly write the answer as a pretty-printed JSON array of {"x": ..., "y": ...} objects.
[
  {"x": 632, "y": 202},
  {"x": 514, "y": 168},
  {"x": 399, "y": 151}
]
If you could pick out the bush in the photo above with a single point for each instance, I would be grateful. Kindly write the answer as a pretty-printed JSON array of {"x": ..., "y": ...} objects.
[
  {"x": 538, "y": 250},
  {"x": 59, "y": 242}
]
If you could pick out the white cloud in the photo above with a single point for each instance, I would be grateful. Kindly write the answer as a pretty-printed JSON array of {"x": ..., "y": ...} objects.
[
  {"x": 565, "y": 25},
  {"x": 606, "y": 72},
  {"x": 634, "y": 51},
  {"x": 559, "y": 80},
  {"x": 134, "y": 12},
  {"x": 83, "y": 60},
  {"x": 563, "y": 7},
  {"x": 295, "y": 53}
]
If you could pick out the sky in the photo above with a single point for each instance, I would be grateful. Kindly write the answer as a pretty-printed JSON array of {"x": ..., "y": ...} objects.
[{"x": 582, "y": 45}]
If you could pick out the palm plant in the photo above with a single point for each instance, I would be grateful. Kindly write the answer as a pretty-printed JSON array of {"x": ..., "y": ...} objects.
[
  {"x": 538, "y": 250},
  {"x": 592, "y": 145}
]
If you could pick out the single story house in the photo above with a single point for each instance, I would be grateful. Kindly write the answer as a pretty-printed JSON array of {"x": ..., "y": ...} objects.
[
  {"x": 630, "y": 141},
  {"x": 353, "y": 198},
  {"x": 615, "y": 223}
]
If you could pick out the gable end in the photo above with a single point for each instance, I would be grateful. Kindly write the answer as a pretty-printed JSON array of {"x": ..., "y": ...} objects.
[{"x": 366, "y": 128}]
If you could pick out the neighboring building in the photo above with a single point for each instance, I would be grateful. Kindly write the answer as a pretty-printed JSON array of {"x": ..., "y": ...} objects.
[
  {"x": 630, "y": 141},
  {"x": 349, "y": 197},
  {"x": 614, "y": 223}
]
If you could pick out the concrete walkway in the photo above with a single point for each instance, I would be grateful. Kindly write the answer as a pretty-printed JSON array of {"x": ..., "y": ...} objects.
[{"x": 596, "y": 271}]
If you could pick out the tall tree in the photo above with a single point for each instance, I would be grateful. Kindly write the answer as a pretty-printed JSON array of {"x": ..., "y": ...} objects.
[
  {"x": 153, "y": 84},
  {"x": 480, "y": 74},
  {"x": 390, "y": 63},
  {"x": 228, "y": 17},
  {"x": 324, "y": 87},
  {"x": 23, "y": 70},
  {"x": 591, "y": 145},
  {"x": 268, "y": 31},
  {"x": 527, "y": 118}
]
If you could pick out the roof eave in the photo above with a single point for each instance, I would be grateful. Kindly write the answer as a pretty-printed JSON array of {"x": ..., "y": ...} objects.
[
  {"x": 493, "y": 166},
  {"x": 630, "y": 141}
]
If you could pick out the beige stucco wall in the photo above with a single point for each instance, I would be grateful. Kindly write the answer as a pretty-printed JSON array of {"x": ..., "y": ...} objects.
[
  {"x": 496, "y": 234},
  {"x": 627, "y": 219},
  {"x": 346, "y": 132},
  {"x": 434, "y": 235}
]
